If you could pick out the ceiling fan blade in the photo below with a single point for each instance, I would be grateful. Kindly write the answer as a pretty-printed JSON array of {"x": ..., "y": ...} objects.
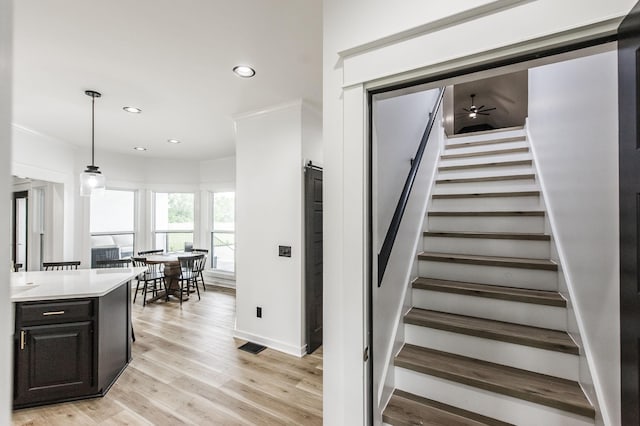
[
  {"x": 482, "y": 113},
  {"x": 464, "y": 109},
  {"x": 488, "y": 109},
  {"x": 480, "y": 107}
]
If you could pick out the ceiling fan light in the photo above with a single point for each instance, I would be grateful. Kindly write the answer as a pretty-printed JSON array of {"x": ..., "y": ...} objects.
[
  {"x": 473, "y": 114},
  {"x": 244, "y": 71}
]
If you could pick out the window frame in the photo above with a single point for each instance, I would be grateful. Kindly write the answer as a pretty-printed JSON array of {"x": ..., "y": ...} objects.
[
  {"x": 155, "y": 231},
  {"x": 225, "y": 231}
]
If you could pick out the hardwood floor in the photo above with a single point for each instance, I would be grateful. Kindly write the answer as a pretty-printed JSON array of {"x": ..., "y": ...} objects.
[{"x": 186, "y": 369}]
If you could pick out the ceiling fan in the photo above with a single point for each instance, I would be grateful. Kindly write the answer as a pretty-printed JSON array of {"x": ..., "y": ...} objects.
[{"x": 474, "y": 111}]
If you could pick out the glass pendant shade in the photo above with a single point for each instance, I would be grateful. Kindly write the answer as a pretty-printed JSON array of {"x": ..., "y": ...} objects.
[{"x": 91, "y": 182}]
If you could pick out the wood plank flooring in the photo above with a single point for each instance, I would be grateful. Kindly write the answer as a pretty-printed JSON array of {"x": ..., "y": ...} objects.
[
  {"x": 540, "y": 297},
  {"x": 547, "y": 390},
  {"x": 543, "y": 338},
  {"x": 186, "y": 369},
  {"x": 509, "y": 262},
  {"x": 406, "y": 409}
]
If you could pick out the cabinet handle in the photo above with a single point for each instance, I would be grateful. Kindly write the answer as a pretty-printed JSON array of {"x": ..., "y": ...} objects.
[
  {"x": 46, "y": 314},
  {"x": 22, "y": 339}
]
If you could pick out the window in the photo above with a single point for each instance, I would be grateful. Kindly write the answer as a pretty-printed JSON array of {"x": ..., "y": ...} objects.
[
  {"x": 111, "y": 224},
  {"x": 173, "y": 220},
  {"x": 223, "y": 237}
]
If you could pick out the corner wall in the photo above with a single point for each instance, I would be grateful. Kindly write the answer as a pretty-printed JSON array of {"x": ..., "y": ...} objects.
[
  {"x": 573, "y": 124},
  {"x": 6, "y": 311},
  {"x": 269, "y": 213}
]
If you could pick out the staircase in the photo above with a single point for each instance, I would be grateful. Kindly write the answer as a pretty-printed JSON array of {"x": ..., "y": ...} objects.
[{"x": 485, "y": 339}]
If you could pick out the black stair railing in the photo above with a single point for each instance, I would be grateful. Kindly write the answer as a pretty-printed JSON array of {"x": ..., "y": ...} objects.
[{"x": 392, "y": 232}]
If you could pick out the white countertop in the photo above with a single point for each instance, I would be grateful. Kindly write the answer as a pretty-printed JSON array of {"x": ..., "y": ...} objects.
[{"x": 41, "y": 285}]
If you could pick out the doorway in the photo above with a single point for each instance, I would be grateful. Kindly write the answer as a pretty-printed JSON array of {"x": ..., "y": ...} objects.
[
  {"x": 551, "y": 134},
  {"x": 20, "y": 228},
  {"x": 313, "y": 256}
]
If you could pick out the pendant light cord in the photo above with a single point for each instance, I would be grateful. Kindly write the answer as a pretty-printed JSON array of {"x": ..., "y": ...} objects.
[{"x": 93, "y": 126}]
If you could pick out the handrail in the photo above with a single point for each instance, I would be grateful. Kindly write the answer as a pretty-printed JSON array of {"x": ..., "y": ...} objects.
[{"x": 392, "y": 232}]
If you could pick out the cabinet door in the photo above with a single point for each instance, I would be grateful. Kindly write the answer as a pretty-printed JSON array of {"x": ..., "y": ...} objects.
[{"x": 54, "y": 362}]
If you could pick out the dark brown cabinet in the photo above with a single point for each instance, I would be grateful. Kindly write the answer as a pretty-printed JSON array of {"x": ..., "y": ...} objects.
[
  {"x": 55, "y": 349},
  {"x": 55, "y": 361},
  {"x": 70, "y": 348}
]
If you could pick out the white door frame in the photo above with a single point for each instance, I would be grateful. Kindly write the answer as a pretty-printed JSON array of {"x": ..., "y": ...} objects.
[{"x": 406, "y": 58}]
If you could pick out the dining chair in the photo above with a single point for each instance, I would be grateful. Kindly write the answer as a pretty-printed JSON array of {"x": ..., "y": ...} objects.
[
  {"x": 61, "y": 266},
  {"x": 200, "y": 265},
  {"x": 17, "y": 267},
  {"x": 188, "y": 274},
  {"x": 151, "y": 277},
  {"x": 146, "y": 252},
  {"x": 113, "y": 263},
  {"x": 197, "y": 250}
]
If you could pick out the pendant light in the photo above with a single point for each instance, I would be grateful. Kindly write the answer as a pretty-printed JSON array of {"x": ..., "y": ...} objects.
[{"x": 91, "y": 180}]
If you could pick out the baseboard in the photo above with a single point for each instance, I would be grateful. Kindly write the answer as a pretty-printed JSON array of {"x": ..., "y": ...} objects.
[
  {"x": 272, "y": 344},
  {"x": 224, "y": 280}
]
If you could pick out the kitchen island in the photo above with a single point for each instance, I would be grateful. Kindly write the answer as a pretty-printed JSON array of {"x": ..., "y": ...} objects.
[{"x": 72, "y": 333}]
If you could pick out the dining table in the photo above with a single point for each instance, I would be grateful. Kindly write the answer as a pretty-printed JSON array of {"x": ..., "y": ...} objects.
[{"x": 171, "y": 264}]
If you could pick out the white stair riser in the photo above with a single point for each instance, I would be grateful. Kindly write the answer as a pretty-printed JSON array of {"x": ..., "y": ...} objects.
[
  {"x": 488, "y": 247},
  {"x": 535, "y": 279},
  {"x": 527, "y": 224},
  {"x": 492, "y": 186},
  {"x": 513, "y": 355},
  {"x": 484, "y": 171},
  {"x": 484, "y": 148},
  {"x": 486, "y": 203},
  {"x": 495, "y": 158},
  {"x": 544, "y": 316},
  {"x": 485, "y": 137},
  {"x": 491, "y": 404}
]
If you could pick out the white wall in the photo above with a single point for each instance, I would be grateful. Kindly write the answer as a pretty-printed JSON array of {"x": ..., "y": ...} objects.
[
  {"x": 399, "y": 124},
  {"x": 573, "y": 124},
  {"x": 6, "y": 347},
  {"x": 218, "y": 174},
  {"x": 41, "y": 157},
  {"x": 311, "y": 135},
  {"x": 269, "y": 212},
  {"x": 409, "y": 39}
]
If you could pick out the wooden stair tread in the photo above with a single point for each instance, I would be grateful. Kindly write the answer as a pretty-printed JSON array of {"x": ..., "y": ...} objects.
[
  {"x": 484, "y": 142},
  {"x": 492, "y": 213},
  {"x": 488, "y": 178},
  {"x": 510, "y": 262},
  {"x": 489, "y": 235},
  {"x": 539, "y": 297},
  {"x": 484, "y": 153},
  {"x": 492, "y": 164},
  {"x": 407, "y": 409},
  {"x": 534, "y": 387},
  {"x": 542, "y": 338},
  {"x": 501, "y": 194}
]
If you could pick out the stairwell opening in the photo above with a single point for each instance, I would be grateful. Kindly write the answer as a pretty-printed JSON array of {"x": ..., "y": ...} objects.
[{"x": 490, "y": 277}]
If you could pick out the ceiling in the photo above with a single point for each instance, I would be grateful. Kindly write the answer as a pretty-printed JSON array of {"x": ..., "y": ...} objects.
[
  {"x": 173, "y": 59},
  {"x": 507, "y": 93}
]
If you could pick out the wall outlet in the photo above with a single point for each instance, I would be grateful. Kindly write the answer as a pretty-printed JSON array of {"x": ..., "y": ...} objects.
[{"x": 259, "y": 311}]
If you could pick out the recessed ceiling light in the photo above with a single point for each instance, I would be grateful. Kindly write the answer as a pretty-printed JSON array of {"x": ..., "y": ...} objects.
[
  {"x": 139, "y": 148},
  {"x": 174, "y": 141},
  {"x": 244, "y": 71},
  {"x": 132, "y": 110}
]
